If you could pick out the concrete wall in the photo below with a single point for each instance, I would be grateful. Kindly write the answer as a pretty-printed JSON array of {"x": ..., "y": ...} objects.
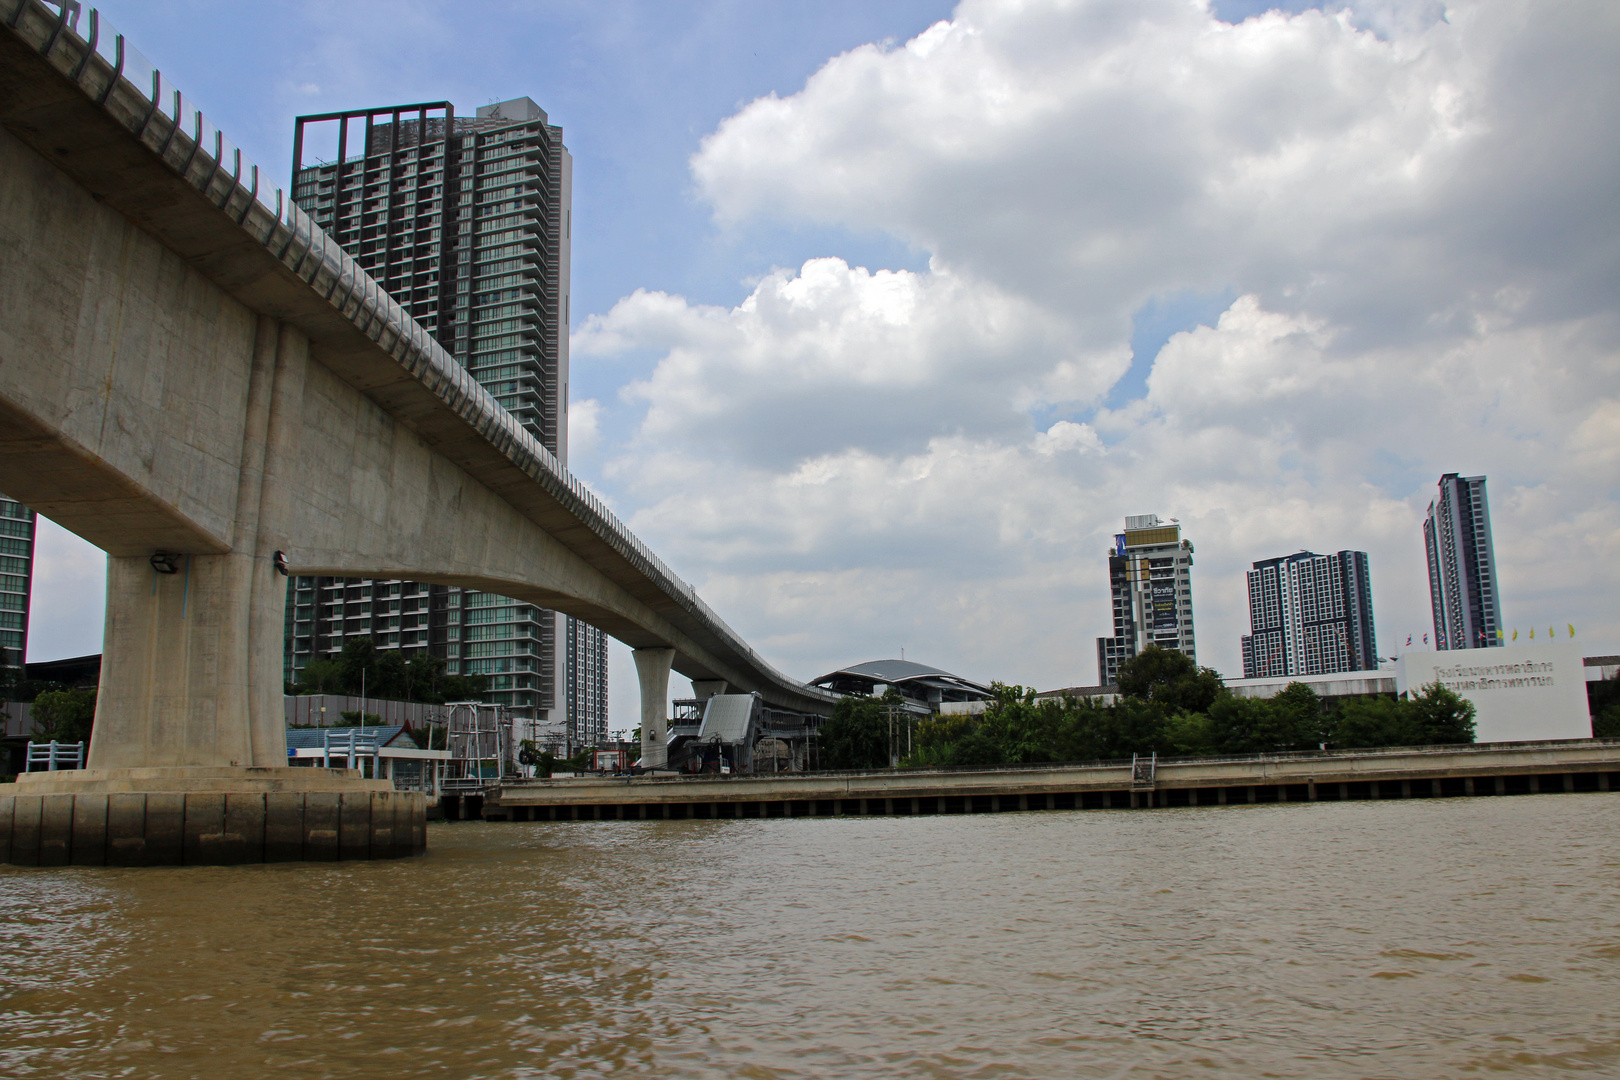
[
  {"x": 125, "y": 398},
  {"x": 326, "y": 710},
  {"x": 1301, "y": 768},
  {"x": 64, "y": 824},
  {"x": 1336, "y": 684},
  {"x": 19, "y": 718}
]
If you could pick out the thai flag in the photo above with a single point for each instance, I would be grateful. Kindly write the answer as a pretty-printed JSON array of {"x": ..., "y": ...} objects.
[{"x": 1408, "y": 640}]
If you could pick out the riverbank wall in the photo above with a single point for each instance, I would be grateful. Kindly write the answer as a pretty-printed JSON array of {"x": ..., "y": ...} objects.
[{"x": 1497, "y": 769}]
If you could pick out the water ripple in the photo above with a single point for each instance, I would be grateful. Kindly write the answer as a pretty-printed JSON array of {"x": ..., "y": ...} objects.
[{"x": 1411, "y": 939}]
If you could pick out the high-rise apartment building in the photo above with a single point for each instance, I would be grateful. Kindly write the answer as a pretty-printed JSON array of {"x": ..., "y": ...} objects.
[
  {"x": 587, "y": 673},
  {"x": 1310, "y": 614},
  {"x": 16, "y": 578},
  {"x": 1150, "y": 576},
  {"x": 466, "y": 222},
  {"x": 1462, "y": 566}
]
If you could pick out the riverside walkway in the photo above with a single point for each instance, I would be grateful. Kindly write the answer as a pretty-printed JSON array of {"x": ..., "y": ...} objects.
[{"x": 1577, "y": 765}]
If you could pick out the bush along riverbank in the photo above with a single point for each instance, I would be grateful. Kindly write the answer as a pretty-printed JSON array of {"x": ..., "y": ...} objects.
[{"x": 1169, "y": 706}]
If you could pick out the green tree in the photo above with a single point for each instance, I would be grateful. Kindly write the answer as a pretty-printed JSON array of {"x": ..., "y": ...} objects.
[
  {"x": 387, "y": 675},
  {"x": 1191, "y": 735},
  {"x": 1373, "y": 721},
  {"x": 462, "y": 688},
  {"x": 1243, "y": 725},
  {"x": 358, "y": 663},
  {"x": 65, "y": 715},
  {"x": 1131, "y": 726},
  {"x": 1170, "y": 678},
  {"x": 1302, "y": 715},
  {"x": 1440, "y": 717},
  {"x": 321, "y": 677},
  {"x": 1603, "y": 701},
  {"x": 856, "y": 735},
  {"x": 1289, "y": 721},
  {"x": 937, "y": 739}
]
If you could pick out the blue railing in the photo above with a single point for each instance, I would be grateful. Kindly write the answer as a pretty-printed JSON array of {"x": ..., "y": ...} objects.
[{"x": 55, "y": 755}]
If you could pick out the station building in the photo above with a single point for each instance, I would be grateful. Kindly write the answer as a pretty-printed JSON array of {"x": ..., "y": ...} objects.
[{"x": 920, "y": 685}]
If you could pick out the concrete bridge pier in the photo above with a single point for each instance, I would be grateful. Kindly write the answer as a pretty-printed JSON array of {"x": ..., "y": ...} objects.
[
  {"x": 188, "y": 760},
  {"x": 652, "y": 671},
  {"x": 184, "y": 680},
  {"x": 191, "y": 668}
]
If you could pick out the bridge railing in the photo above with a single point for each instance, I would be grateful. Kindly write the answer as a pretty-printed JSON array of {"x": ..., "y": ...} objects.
[{"x": 176, "y": 130}]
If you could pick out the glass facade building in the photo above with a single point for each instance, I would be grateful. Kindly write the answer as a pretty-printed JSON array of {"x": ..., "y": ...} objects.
[
  {"x": 1462, "y": 566},
  {"x": 466, "y": 222}
]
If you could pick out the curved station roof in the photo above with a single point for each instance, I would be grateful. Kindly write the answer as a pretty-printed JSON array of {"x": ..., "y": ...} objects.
[{"x": 920, "y": 682}]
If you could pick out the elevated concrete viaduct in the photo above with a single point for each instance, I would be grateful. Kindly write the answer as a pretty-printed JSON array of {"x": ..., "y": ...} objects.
[{"x": 187, "y": 370}]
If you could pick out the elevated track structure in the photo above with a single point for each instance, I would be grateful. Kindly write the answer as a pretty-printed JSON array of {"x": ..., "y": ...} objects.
[{"x": 196, "y": 379}]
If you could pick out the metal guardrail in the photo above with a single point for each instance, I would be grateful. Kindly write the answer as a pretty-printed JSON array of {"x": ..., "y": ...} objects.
[{"x": 179, "y": 135}]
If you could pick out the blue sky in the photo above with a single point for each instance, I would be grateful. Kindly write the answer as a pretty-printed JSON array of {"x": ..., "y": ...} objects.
[{"x": 881, "y": 326}]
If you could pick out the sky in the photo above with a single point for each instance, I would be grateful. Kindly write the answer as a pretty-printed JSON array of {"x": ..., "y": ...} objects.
[{"x": 885, "y": 314}]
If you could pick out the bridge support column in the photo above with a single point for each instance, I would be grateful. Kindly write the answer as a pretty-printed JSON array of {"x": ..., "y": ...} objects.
[
  {"x": 191, "y": 674},
  {"x": 652, "y": 670},
  {"x": 188, "y": 757},
  {"x": 182, "y": 682}
]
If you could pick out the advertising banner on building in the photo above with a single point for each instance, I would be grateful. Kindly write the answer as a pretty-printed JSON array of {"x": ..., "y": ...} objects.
[{"x": 1164, "y": 605}]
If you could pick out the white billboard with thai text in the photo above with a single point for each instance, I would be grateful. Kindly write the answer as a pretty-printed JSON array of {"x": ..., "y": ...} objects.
[{"x": 1521, "y": 691}]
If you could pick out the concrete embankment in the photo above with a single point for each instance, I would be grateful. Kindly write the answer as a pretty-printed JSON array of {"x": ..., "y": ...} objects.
[
  {"x": 206, "y": 816},
  {"x": 1407, "y": 772}
]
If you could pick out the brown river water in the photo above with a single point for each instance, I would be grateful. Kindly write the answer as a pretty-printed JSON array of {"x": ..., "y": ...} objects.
[{"x": 1434, "y": 938}]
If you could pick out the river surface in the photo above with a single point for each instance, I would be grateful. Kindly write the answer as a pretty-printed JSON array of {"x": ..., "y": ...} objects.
[{"x": 1441, "y": 938}]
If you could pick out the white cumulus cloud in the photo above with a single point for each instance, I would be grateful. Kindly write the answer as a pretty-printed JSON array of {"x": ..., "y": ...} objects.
[{"x": 1411, "y": 206}]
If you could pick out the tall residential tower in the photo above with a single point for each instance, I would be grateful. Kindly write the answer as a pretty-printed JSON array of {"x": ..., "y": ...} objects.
[
  {"x": 1310, "y": 615},
  {"x": 1462, "y": 566},
  {"x": 16, "y": 576},
  {"x": 1150, "y": 575},
  {"x": 466, "y": 222}
]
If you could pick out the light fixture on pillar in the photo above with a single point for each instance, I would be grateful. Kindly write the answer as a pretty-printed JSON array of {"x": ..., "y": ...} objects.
[
  {"x": 163, "y": 562},
  {"x": 279, "y": 560}
]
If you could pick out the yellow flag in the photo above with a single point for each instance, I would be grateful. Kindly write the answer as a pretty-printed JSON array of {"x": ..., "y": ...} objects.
[
  {"x": 1532, "y": 633},
  {"x": 1550, "y": 632},
  {"x": 1571, "y": 629},
  {"x": 1515, "y": 635}
]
